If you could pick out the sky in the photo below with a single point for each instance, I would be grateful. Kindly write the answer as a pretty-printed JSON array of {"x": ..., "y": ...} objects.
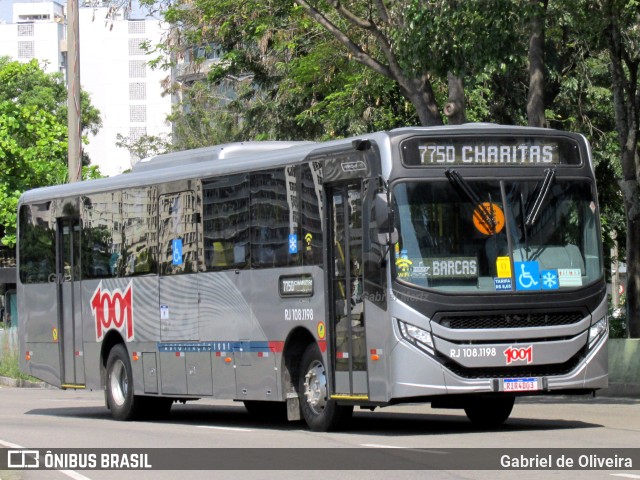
[{"x": 6, "y": 8}]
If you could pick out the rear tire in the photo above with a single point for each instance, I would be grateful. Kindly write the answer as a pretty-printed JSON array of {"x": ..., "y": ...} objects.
[
  {"x": 321, "y": 413},
  {"x": 489, "y": 412},
  {"x": 124, "y": 405}
]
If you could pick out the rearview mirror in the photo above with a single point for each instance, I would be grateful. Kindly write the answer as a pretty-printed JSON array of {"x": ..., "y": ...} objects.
[{"x": 382, "y": 213}]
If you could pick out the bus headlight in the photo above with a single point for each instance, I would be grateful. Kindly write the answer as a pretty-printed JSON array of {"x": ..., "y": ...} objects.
[
  {"x": 597, "y": 330},
  {"x": 416, "y": 336}
]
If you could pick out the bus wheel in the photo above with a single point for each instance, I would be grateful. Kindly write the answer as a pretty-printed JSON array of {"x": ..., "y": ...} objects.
[
  {"x": 122, "y": 403},
  {"x": 489, "y": 412},
  {"x": 320, "y": 413}
]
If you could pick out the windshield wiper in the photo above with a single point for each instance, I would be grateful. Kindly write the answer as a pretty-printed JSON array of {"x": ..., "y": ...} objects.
[
  {"x": 532, "y": 216},
  {"x": 487, "y": 214}
]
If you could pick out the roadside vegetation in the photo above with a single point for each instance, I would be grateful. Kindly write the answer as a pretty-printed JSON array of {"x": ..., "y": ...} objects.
[{"x": 9, "y": 366}]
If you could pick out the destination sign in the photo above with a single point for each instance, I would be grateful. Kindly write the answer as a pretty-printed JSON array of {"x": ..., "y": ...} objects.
[
  {"x": 489, "y": 151},
  {"x": 296, "y": 286}
]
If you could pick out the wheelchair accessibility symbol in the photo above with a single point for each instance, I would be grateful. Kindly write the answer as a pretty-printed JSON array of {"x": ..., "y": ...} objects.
[
  {"x": 176, "y": 249},
  {"x": 527, "y": 276}
]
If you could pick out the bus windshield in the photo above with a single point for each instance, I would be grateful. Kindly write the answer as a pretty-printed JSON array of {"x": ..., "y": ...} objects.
[{"x": 467, "y": 235}]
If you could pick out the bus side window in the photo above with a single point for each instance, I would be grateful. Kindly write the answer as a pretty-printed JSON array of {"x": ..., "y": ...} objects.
[
  {"x": 275, "y": 218},
  {"x": 101, "y": 251},
  {"x": 311, "y": 218},
  {"x": 37, "y": 244},
  {"x": 139, "y": 227},
  {"x": 226, "y": 222}
]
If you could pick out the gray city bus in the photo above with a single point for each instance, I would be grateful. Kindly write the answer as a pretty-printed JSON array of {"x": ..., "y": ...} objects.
[{"x": 460, "y": 266}]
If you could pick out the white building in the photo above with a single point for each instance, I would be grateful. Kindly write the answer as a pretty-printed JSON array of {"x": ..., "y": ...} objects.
[
  {"x": 38, "y": 31},
  {"x": 113, "y": 70}
]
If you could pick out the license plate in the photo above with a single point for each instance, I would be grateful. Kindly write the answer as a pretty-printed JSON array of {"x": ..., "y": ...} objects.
[{"x": 519, "y": 384}]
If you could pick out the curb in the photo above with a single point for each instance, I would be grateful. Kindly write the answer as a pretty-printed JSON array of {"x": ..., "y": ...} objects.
[
  {"x": 620, "y": 390},
  {"x": 20, "y": 383}
]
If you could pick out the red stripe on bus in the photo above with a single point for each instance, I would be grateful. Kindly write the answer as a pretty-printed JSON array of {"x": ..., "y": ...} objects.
[{"x": 276, "y": 346}]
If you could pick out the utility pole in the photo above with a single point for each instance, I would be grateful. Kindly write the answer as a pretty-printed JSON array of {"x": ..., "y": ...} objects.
[{"x": 73, "y": 92}]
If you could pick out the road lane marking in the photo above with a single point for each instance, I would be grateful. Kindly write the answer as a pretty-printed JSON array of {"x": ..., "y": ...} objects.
[
  {"x": 10, "y": 445},
  {"x": 69, "y": 473},
  {"x": 230, "y": 429},
  {"x": 625, "y": 475},
  {"x": 377, "y": 445}
]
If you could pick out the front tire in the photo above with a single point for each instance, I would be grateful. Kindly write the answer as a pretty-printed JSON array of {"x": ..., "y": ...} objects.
[
  {"x": 124, "y": 405},
  {"x": 489, "y": 412},
  {"x": 321, "y": 413}
]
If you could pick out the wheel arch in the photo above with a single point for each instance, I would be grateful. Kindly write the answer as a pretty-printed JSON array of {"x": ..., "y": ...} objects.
[
  {"x": 296, "y": 343},
  {"x": 111, "y": 339}
]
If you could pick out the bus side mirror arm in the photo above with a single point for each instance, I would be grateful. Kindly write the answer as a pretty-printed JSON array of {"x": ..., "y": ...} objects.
[{"x": 387, "y": 232}]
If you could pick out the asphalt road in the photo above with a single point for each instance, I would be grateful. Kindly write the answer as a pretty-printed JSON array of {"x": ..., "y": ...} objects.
[{"x": 50, "y": 418}]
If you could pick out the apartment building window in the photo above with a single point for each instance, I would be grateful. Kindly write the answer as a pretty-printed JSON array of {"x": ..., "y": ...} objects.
[
  {"x": 136, "y": 27},
  {"x": 26, "y": 49},
  {"x": 135, "y": 48},
  {"x": 137, "y": 91},
  {"x": 136, "y": 133},
  {"x": 137, "y": 69},
  {"x": 137, "y": 113},
  {"x": 25, "y": 29}
]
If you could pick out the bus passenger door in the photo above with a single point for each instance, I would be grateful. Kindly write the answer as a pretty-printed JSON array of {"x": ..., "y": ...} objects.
[
  {"x": 69, "y": 306},
  {"x": 346, "y": 331}
]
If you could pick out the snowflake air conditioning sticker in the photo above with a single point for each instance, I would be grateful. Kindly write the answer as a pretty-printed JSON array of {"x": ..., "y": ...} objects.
[{"x": 549, "y": 279}]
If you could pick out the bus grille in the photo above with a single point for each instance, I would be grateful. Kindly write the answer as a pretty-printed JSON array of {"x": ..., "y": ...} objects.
[
  {"x": 509, "y": 320},
  {"x": 515, "y": 372}
]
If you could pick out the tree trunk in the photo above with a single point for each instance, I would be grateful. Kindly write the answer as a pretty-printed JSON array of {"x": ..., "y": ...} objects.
[
  {"x": 454, "y": 110},
  {"x": 535, "y": 100},
  {"x": 633, "y": 277},
  {"x": 626, "y": 105},
  {"x": 631, "y": 192},
  {"x": 420, "y": 93}
]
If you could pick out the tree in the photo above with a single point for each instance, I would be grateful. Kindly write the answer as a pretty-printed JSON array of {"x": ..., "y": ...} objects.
[
  {"x": 535, "y": 100},
  {"x": 33, "y": 135},
  {"x": 412, "y": 42},
  {"x": 279, "y": 78},
  {"x": 145, "y": 146},
  {"x": 622, "y": 33}
]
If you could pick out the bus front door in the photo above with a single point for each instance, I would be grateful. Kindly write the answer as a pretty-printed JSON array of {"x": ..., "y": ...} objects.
[
  {"x": 69, "y": 333},
  {"x": 347, "y": 346}
]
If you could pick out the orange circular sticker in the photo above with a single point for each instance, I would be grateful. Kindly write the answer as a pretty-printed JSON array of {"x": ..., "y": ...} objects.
[
  {"x": 321, "y": 331},
  {"x": 483, "y": 216}
]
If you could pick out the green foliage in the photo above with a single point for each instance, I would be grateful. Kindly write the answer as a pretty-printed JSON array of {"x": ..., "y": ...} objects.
[
  {"x": 9, "y": 366},
  {"x": 463, "y": 37},
  {"x": 617, "y": 319},
  {"x": 145, "y": 146},
  {"x": 33, "y": 135}
]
